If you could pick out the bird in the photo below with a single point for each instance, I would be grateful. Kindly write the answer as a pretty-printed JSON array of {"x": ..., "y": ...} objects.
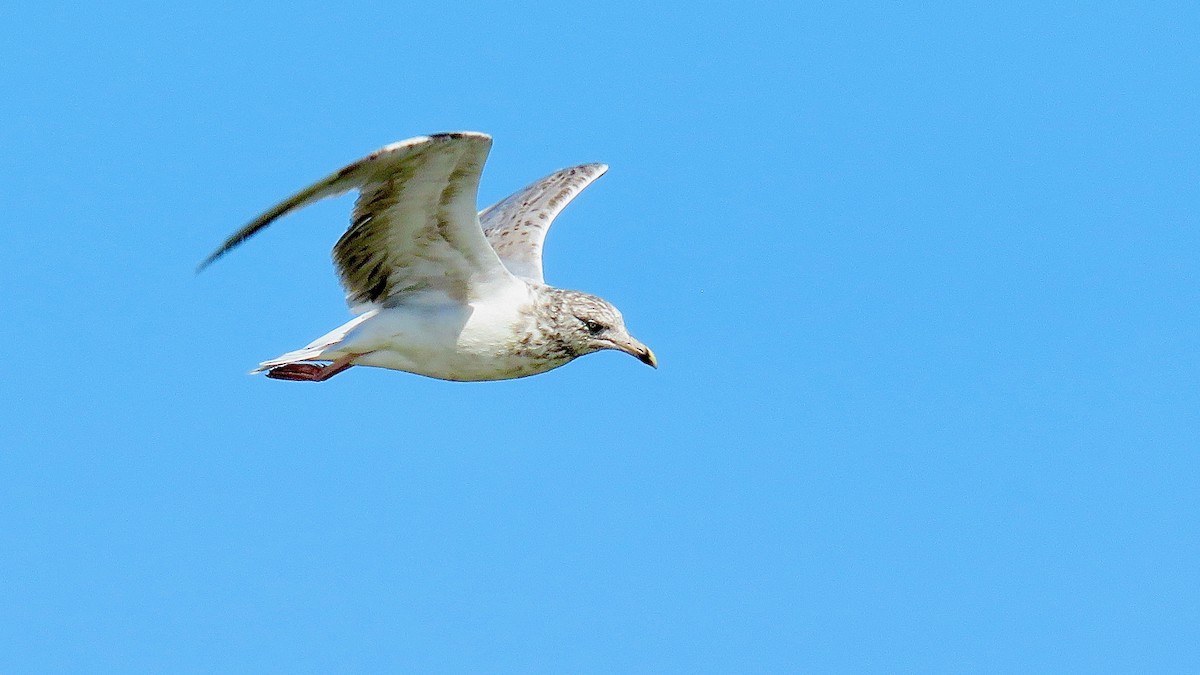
[{"x": 441, "y": 290}]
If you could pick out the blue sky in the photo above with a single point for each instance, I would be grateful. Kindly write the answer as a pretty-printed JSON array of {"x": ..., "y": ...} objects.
[{"x": 921, "y": 281}]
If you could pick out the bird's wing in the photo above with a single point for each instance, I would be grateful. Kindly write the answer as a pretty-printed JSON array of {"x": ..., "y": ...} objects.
[
  {"x": 516, "y": 227},
  {"x": 414, "y": 229}
]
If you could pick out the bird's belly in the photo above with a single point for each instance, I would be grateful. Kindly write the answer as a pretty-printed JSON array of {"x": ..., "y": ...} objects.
[
  {"x": 459, "y": 364},
  {"x": 448, "y": 345}
]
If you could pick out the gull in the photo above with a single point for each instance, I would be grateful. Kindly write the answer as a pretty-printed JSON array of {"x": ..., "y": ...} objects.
[{"x": 438, "y": 289}]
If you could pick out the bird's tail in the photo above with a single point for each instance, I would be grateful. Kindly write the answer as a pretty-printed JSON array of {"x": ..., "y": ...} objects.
[
  {"x": 324, "y": 348},
  {"x": 298, "y": 356}
]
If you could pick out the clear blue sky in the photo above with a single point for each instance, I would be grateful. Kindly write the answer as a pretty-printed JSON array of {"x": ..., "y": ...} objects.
[{"x": 922, "y": 282}]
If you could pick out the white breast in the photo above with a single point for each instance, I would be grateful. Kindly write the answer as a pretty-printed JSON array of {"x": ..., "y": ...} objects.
[{"x": 452, "y": 342}]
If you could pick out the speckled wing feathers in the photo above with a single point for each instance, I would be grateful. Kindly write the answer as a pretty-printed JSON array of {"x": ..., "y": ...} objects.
[
  {"x": 414, "y": 228},
  {"x": 516, "y": 227}
]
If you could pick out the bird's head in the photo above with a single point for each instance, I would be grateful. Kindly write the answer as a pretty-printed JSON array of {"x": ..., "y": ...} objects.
[{"x": 586, "y": 323}]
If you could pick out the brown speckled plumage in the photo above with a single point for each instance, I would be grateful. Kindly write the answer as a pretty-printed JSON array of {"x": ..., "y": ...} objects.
[
  {"x": 516, "y": 227},
  {"x": 441, "y": 290},
  {"x": 552, "y": 327}
]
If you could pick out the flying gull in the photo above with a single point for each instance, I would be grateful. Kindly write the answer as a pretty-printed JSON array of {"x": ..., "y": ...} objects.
[{"x": 442, "y": 291}]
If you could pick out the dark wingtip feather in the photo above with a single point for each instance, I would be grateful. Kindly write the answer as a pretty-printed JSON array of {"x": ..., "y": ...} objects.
[
  {"x": 229, "y": 244},
  {"x": 210, "y": 260},
  {"x": 248, "y": 231}
]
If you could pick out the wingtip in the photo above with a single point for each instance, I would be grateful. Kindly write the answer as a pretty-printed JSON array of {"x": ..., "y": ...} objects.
[
  {"x": 209, "y": 260},
  {"x": 420, "y": 140},
  {"x": 458, "y": 135}
]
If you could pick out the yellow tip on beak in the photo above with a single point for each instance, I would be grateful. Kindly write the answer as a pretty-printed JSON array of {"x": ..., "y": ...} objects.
[
  {"x": 637, "y": 350},
  {"x": 648, "y": 357}
]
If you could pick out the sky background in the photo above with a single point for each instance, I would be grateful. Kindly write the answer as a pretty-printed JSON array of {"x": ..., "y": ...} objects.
[{"x": 922, "y": 282}]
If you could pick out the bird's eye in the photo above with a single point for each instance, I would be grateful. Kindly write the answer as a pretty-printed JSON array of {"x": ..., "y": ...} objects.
[{"x": 593, "y": 327}]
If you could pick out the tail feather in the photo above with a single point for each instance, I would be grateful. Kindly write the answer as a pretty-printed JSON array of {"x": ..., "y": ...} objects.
[
  {"x": 306, "y": 354},
  {"x": 323, "y": 348}
]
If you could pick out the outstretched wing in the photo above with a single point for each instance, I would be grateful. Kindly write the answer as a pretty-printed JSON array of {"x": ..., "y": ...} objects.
[
  {"x": 516, "y": 227},
  {"x": 414, "y": 228}
]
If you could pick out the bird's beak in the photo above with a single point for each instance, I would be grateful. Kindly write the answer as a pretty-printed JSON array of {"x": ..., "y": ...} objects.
[{"x": 638, "y": 351}]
